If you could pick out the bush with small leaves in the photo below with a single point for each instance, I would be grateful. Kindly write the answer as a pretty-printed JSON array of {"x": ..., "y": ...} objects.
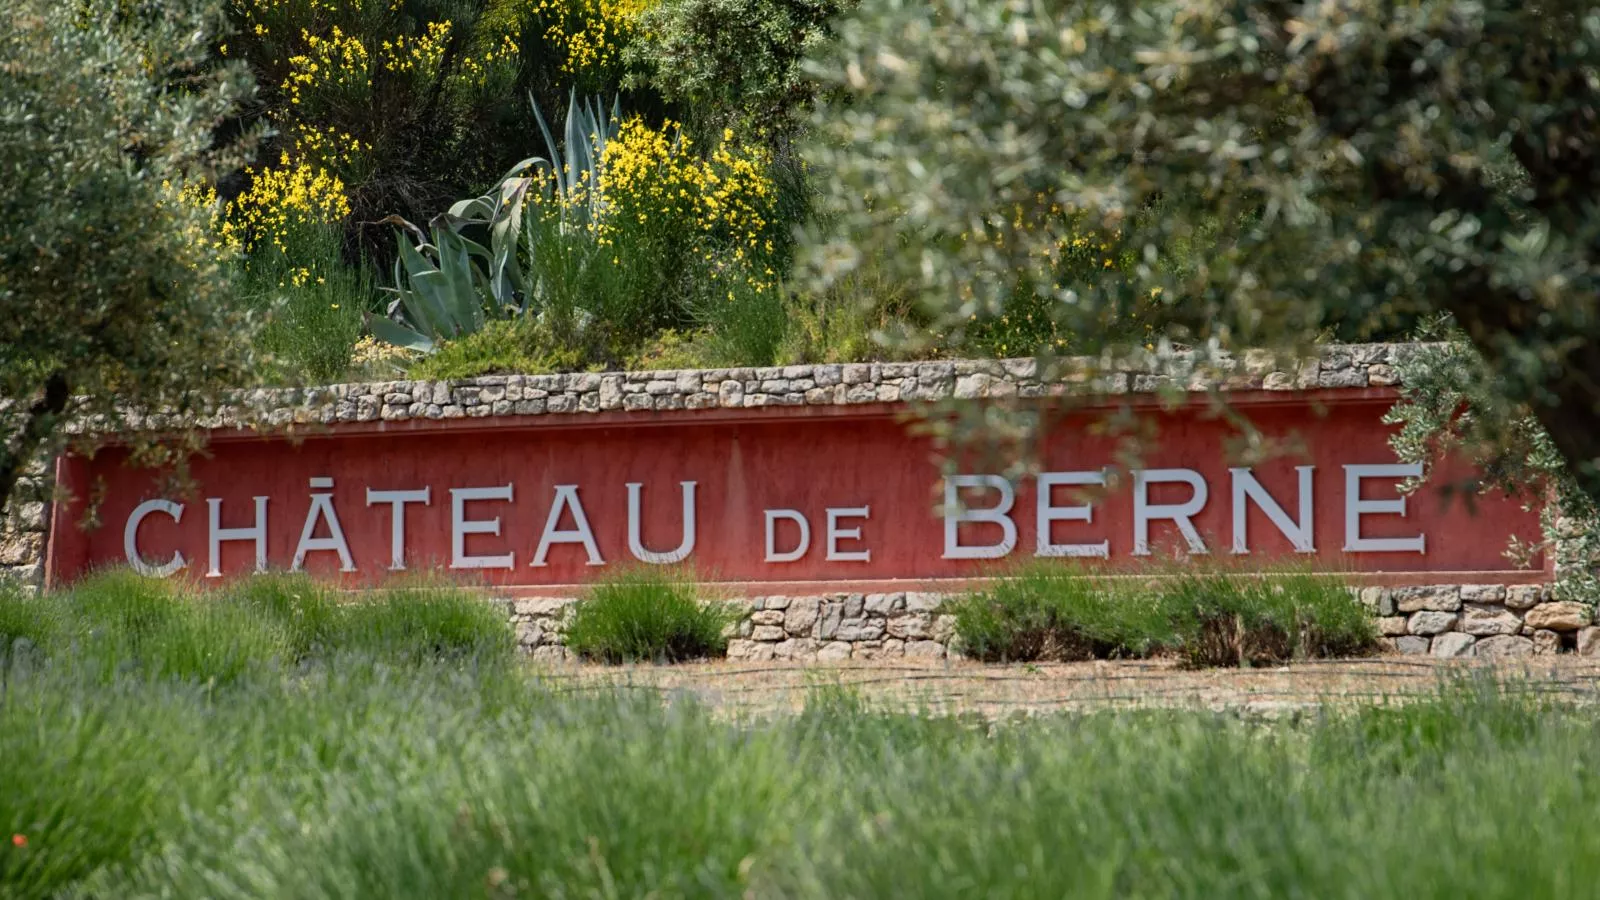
[{"x": 647, "y": 615}]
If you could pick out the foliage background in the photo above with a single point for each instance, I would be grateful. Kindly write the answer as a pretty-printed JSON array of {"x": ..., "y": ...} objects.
[{"x": 116, "y": 294}]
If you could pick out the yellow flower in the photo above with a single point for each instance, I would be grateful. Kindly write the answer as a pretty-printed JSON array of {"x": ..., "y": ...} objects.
[{"x": 281, "y": 199}]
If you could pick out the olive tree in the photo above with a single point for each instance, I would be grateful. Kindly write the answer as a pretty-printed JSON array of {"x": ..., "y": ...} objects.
[
  {"x": 114, "y": 295},
  {"x": 1343, "y": 165}
]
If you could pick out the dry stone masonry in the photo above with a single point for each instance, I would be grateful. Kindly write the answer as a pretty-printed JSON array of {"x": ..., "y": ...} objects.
[
  {"x": 1487, "y": 620},
  {"x": 806, "y": 628},
  {"x": 23, "y": 527},
  {"x": 1340, "y": 366},
  {"x": 1447, "y": 620}
]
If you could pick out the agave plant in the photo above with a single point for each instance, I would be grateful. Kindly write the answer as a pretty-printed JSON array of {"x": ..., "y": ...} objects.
[
  {"x": 446, "y": 283},
  {"x": 576, "y": 177},
  {"x": 439, "y": 289}
]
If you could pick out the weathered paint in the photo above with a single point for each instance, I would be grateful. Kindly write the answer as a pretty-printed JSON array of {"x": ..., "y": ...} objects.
[{"x": 748, "y": 461}]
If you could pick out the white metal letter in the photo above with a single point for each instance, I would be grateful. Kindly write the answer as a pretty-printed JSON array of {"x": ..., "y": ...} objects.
[
  {"x": 567, "y": 497},
  {"x": 793, "y": 515},
  {"x": 1179, "y": 513},
  {"x": 1298, "y": 530},
  {"x": 635, "y": 527},
  {"x": 1355, "y": 508},
  {"x": 256, "y": 533},
  {"x": 130, "y": 539},
  {"x": 1049, "y": 513},
  {"x": 955, "y": 514},
  {"x": 835, "y": 533},
  {"x": 322, "y": 507},
  {"x": 397, "y": 501},
  {"x": 461, "y": 526}
]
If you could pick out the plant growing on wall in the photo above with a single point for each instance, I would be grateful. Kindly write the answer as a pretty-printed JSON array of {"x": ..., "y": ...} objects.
[{"x": 1452, "y": 402}]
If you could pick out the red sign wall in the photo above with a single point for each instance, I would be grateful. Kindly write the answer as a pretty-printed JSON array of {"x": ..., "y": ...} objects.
[{"x": 790, "y": 496}]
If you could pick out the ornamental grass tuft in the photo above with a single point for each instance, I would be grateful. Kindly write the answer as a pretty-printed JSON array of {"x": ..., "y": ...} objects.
[
  {"x": 1208, "y": 616},
  {"x": 647, "y": 615}
]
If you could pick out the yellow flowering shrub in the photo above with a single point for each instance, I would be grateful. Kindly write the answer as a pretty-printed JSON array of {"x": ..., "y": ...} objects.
[
  {"x": 721, "y": 204},
  {"x": 278, "y": 205},
  {"x": 366, "y": 88},
  {"x": 589, "y": 35},
  {"x": 328, "y": 147},
  {"x": 209, "y": 233}
]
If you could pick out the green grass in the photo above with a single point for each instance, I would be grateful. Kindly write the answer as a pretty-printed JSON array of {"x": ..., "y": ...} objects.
[
  {"x": 518, "y": 345},
  {"x": 118, "y": 622},
  {"x": 312, "y": 304},
  {"x": 647, "y": 615},
  {"x": 364, "y": 759},
  {"x": 434, "y": 781},
  {"x": 1209, "y": 616}
]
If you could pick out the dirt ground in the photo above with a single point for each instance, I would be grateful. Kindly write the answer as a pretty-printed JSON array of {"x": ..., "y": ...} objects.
[{"x": 1003, "y": 691}]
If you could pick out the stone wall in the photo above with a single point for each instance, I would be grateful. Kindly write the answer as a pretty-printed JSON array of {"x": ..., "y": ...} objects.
[
  {"x": 1491, "y": 621},
  {"x": 825, "y": 627},
  {"x": 1488, "y": 620},
  {"x": 23, "y": 526},
  {"x": 1338, "y": 366}
]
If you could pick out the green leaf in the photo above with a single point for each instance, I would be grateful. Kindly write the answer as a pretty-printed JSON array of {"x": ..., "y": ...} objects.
[{"x": 392, "y": 332}]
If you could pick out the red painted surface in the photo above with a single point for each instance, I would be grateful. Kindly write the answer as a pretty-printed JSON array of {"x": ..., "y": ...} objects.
[{"x": 748, "y": 461}]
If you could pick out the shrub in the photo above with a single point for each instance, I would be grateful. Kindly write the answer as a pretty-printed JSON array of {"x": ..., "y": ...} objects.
[
  {"x": 114, "y": 612},
  {"x": 622, "y": 235},
  {"x": 647, "y": 615},
  {"x": 1233, "y": 619},
  {"x": 521, "y": 345},
  {"x": 1210, "y": 617},
  {"x": 746, "y": 320},
  {"x": 409, "y": 104},
  {"x": 92, "y": 773},
  {"x": 119, "y": 620},
  {"x": 418, "y": 623},
  {"x": 1054, "y": 612},
  {"x": 29, "y": 624},
  {"x": 308, "y": 612},
  {"x": 733, "y": 62},
  {"x": 114, "y": 300},
  {"x": 212, "y": 639}
]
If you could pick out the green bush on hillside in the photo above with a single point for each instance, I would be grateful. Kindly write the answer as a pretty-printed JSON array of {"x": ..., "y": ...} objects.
[{"x": 647, "y": 615}]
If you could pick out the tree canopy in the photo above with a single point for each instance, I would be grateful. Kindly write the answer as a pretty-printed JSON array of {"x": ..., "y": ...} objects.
[
  {"x": 1338, "y": 166},
  {"x": 113, "y": 290}
]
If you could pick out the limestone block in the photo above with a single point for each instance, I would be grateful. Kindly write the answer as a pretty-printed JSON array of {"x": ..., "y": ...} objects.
[
  {"x": 1503, "y": 646},
  {"x": 1452, "y": 644},
  {"x": 1430, "y": 622},
  {"x": 1560, "y": 615}
]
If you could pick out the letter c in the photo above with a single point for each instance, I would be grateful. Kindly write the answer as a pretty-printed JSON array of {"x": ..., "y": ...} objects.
[{"x": 130, "y": 538}]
